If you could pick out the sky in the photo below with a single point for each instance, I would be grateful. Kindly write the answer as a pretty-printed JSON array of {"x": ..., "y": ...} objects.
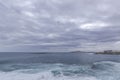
[{"x": 59, "y": 25}]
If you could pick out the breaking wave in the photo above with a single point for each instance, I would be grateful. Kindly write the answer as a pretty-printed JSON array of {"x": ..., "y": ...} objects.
[{"x": 105, "y": 70}]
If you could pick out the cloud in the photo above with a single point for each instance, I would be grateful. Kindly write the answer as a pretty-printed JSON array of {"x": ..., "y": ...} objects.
[
  {"x": 59, "y": 25},
  {"x": 93, "y": 26}
]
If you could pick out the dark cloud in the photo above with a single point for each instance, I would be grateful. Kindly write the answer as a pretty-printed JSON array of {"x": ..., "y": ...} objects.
[{"x": 59, "y": 25}]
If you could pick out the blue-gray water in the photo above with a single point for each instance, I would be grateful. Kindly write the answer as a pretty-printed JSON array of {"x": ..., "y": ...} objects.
[{"x": 59, "y": 66}]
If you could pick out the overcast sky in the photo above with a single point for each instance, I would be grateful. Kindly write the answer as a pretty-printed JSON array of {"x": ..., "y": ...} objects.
[{"x": 59, "y": 25}]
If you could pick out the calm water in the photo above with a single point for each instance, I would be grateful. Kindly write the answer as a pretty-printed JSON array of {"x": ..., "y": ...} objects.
[{"x": 59, "y": 66}]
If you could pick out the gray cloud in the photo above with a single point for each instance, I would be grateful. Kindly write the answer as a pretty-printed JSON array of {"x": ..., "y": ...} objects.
[{"x": 59, "y": 25}]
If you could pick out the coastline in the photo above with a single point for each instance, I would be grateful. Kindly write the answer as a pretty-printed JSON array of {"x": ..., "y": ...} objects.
[{"x": 109, "y": 53}]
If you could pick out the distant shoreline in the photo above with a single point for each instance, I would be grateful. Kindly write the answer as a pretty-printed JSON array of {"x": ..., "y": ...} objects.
[{"x": 109, "y": 53}]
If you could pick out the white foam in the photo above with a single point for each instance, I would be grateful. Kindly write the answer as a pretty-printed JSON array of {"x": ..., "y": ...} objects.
[
  {"x": 102, "y": 71},
  {"x": 40, "y": 76}
]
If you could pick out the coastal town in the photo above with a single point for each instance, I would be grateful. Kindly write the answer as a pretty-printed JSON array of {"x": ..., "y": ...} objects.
[{"x": 109, "y": 52}]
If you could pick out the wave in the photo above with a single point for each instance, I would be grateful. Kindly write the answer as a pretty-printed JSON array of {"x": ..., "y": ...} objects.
[{"x": 105, "y": 70}]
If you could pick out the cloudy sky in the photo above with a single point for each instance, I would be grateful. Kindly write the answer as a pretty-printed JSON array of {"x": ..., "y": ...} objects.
[{"x": 59, "y": 25}]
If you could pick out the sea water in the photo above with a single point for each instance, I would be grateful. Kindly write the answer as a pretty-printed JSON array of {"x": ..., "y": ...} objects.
[{"x": 59, "y": 66}]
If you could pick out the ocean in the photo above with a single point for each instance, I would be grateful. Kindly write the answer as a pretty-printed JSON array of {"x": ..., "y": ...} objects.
[{"x": 58, "y": 66}]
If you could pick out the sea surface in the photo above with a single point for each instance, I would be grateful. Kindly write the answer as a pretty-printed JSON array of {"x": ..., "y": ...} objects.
[{"x": 58, "y": 66}]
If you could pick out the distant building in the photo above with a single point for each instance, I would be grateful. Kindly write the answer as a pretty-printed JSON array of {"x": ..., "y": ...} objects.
[{"x": 109, "y": 52}]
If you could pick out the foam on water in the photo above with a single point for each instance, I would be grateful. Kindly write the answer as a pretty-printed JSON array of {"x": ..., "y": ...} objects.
[
  {"x": 40, "y": 76},
  {"x": 97, "y": 71}
]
